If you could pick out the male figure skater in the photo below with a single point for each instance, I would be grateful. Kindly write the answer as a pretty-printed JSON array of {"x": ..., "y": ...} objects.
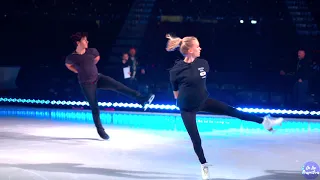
[{"x": 83, "y": 62}]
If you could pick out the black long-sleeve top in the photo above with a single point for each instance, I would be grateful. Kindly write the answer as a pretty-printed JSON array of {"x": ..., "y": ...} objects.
[
  {"x": 304, "y": 69},
  {"x": 190, "y": 80}
]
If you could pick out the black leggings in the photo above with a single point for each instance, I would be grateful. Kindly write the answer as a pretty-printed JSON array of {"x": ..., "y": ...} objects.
[
  {"x": 107, "y": 83},
  {"x": 212, "y": 106}
]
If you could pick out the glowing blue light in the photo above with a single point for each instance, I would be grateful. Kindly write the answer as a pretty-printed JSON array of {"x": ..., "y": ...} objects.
[
  {"x": 151, "y": 106},
  {"x": 157, "y": 121}
]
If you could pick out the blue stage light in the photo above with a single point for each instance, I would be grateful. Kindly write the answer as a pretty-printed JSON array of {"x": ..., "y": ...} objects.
[{"x": 151, "y": 106}]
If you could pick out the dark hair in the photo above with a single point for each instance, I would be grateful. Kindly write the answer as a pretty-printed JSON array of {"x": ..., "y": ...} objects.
[{"x": 78, "y": 36}]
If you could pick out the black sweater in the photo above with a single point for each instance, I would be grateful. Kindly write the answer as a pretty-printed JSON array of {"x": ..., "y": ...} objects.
[{"x": 190, "y": 80}]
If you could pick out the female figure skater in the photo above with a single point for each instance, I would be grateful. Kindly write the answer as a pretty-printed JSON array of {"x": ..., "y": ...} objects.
[
  {"x": 188, "y": 79},
  {"x": 83, "y": 62}
]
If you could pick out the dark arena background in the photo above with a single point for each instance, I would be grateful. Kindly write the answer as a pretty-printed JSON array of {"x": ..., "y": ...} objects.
[{"x": 46, "y": 125}]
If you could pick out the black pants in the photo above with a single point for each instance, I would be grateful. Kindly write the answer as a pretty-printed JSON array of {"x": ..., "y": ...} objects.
[
  {"x": 132, "y": 83},
  {"x": 300, "y": 93},
  {"x": 212, "y": 106},
  {"x": 107, "y": 83}
]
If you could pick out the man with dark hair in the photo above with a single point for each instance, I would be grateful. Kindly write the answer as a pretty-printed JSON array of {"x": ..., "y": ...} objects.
[{"x": 83, "y": 62}]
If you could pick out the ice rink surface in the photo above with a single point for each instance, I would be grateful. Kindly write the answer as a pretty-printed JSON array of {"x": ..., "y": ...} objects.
[{"x": 53, "y": 144}]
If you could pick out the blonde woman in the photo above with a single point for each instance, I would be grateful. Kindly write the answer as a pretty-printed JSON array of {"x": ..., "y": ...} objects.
[{"x": 188, "y": 79}]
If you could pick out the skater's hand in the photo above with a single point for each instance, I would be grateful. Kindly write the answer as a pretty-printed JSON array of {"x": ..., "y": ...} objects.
[
  {"x": 300, "y": 80},
  {"x": 282, "y": 73}
]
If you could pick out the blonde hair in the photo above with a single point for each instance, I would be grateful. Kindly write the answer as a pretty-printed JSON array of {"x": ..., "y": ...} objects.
[{"x": 185, "y": 44}]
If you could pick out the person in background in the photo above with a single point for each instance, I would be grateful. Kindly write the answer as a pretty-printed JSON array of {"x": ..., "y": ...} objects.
[
  {"x": 137, "y": 71},
  {"x": 302, "y": 76},
  {"x": 125, "y": 60},
  {"x": 136, "y": 65},
  {"x": 125, "y": 63}
]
